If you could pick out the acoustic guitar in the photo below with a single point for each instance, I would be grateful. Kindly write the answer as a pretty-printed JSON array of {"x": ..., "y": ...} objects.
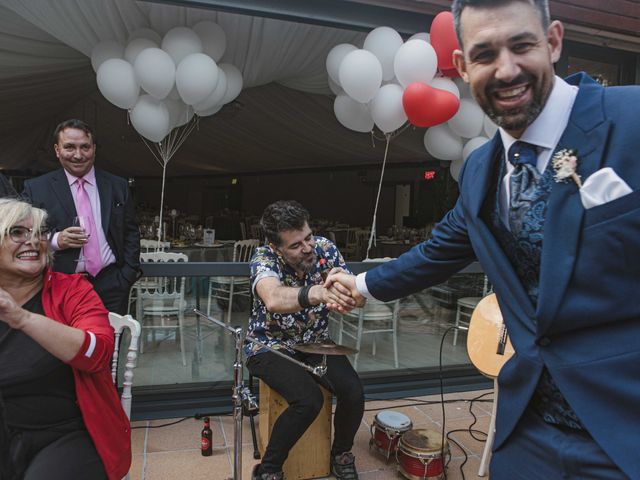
[{"x": 488, "y": 344}]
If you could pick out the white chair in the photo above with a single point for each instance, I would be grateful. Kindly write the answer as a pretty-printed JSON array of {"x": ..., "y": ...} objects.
[
  {"x": 375, "y": 317},
  {"x": 146, "y": 246},
  {"x": 149, "y": 246},
  {"x": 120, "y": 323},
  {"x": 465, "y": 307},
  {"x": 225, "y": 288},
  {"x": 162, "y": 298}
]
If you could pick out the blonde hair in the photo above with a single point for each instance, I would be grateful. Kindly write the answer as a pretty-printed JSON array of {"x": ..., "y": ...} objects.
[{"x": 12, "y": 211}]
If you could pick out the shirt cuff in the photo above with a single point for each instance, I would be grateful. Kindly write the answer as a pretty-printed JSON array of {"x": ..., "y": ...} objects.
[
  {"x": 361, "y": 285},
  {"x": 54, "y": 242}
]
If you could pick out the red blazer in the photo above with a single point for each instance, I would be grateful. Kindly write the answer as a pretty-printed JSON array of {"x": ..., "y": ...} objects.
[{"x": 70, "y": 299}]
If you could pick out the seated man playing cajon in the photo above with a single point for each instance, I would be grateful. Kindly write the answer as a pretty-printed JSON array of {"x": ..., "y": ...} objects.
[{"x": 290, "y": 306}]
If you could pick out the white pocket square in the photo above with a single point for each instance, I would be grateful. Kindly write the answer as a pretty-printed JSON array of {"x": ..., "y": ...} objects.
[{"x": 603, "y": 186}]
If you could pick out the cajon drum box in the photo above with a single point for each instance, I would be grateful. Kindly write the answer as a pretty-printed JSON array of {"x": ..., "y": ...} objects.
[{"x": 309, "y": 458}]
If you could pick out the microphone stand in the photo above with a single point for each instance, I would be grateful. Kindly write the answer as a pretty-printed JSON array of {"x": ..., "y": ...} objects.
[{"x": 242, "y": 395}]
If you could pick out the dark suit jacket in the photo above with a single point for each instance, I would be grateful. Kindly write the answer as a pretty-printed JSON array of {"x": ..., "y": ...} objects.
[
  {"x": 52, "y": 193},
  {"x": 6, "y": 189},
  {"x": 586, "y": 326}
]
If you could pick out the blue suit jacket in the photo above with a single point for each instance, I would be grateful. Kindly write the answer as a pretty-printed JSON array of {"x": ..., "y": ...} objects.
[{"x": 586, "y": 326}]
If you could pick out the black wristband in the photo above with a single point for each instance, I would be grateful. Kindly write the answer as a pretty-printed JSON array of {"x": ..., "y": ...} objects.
[{"x": 303, "y": 296}]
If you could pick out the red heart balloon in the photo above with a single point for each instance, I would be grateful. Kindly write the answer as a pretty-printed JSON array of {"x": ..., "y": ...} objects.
[
  {"x": 444, "y": 41},
  {"x": 426, "y": 106}
]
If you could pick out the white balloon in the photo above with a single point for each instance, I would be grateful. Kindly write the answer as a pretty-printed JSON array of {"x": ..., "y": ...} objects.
[
  {"x": 117, "y": 82},
  {"x": 234, "y": 82},
  {"x": 447, "y": 84},
  {"x": 150, "y": 118},
  {"x": 216, "y": 96},
  {"x": 468, "y": 121},
  {"x": 334, "y": 59},
  {"x": 104, "y": 51},
  {"x": 360, "y": 75},
  {"x": 196, "y": 77},
  {"x": 179, "y": 42},
  {"x": 490, "y": 128},
  {"x": 135, "y": 46},
  {"x": 415, "y": 61},
  {"x": 146, "y": 33},
  {"x": 156, "y": 72},
  {"x": 210, "y": 111},
  {"x": 463, "y": 87},
  {"x": 442, "y": 143},
  {"x": 351, "y": 114},
  {"x": 214, "y": 40},
  {"x": 425, "y": 37},
  {"x": 334, "y": 87},
  {"x": 179, "y": 112},
  {"x": 386, "y": 108},
  {"x": 471, "y": 145},
  {"x": 384, "y": 42},
  {"x": 455, "y": 168}
]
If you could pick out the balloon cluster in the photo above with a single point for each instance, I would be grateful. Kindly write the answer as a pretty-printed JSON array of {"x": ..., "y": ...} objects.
[
  {"x": 389, "y": 82},
  {"x": 164, "y": 81}
]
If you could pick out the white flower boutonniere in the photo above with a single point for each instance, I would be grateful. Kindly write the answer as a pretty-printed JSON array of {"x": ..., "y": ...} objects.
[{"x": 565, "y": 163}]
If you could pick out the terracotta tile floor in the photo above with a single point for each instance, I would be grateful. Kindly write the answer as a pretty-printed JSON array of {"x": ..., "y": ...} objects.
[{"x": 172, "y": 452}]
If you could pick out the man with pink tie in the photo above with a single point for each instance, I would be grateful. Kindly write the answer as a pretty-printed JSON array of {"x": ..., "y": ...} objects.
[{"x": 92, "y": 213}]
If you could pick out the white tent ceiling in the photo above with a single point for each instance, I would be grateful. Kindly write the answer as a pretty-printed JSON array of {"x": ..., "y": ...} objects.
[{"x": 283, "y": 118}]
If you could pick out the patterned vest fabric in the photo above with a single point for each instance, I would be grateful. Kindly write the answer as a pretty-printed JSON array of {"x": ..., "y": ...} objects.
[{"x": 524, "y": 252}]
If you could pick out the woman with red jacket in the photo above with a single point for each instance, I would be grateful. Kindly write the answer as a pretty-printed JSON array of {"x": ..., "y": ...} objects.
[{"x": 60, "y": 415}]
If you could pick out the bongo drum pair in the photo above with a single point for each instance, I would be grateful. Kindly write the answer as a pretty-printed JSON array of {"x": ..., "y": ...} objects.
[{"x": 418, "y": 452}]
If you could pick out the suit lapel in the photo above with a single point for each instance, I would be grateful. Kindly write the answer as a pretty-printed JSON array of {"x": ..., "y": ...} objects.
[
  {"x": 62, "y": 190},
  {"x": 104, "y": 191},
  {"x": 586, "y": 132}
]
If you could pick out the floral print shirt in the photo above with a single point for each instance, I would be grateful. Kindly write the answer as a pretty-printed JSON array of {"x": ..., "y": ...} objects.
[{"x": 283, "y": 330}]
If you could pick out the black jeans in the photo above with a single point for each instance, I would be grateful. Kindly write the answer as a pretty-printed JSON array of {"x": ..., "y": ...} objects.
[{"x": 300, "y": 390}]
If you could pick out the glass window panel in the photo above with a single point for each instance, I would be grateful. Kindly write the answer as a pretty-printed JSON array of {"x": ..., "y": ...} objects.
[{"x": 209, "y": 350}]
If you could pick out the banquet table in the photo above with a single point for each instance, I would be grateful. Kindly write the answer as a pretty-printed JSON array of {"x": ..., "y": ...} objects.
[{"x": 218, "y": 252}]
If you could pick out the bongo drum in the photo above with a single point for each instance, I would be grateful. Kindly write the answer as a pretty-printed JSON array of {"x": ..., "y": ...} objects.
[
  {"x": 419, "y": 455},
  {"x": 387, "y": 428}
]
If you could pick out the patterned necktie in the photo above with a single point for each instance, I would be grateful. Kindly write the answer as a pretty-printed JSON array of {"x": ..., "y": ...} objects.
[
  {"x": 91, "y": 250},
  {"x": 522, "y": 183}
]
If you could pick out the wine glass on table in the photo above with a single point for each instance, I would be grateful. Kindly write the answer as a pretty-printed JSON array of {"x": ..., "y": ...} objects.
[{"x": 82, "y": 222}]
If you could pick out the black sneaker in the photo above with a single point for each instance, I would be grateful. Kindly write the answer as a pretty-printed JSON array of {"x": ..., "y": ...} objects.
[
  {"x": 264, "y": 475},
  {"x": 343, "y": 466}
]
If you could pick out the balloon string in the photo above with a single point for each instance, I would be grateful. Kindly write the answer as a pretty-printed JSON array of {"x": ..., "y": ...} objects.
[
  {"x": 375, "y": 210},
  {"x": 161, "y": 223},
  {"x": 158, "y": 159},
  {"x": 166, "y": 149}
]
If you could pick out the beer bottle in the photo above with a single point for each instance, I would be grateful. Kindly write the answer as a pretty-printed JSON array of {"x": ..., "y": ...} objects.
[{"x": 205, "y": 441}]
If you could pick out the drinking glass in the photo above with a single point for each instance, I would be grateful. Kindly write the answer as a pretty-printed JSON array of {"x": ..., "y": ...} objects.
[{"x": 82, "y": 222}]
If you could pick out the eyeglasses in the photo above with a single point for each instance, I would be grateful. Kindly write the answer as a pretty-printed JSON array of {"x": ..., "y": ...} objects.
[{"x": 24, "y": 234}]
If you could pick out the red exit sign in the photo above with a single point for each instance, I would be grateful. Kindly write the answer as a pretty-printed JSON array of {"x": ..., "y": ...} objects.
[{"x": 429, "y": 174}]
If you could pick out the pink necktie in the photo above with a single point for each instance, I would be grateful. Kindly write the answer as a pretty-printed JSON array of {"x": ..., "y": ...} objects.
[{"x": 91, "y": 250}]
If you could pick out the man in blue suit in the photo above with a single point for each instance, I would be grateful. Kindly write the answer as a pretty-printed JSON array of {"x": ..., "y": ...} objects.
[{"x": 551, "y": 209}]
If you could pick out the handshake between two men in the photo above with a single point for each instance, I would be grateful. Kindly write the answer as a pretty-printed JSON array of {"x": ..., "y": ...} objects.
[{"x": 340, "y": 293}]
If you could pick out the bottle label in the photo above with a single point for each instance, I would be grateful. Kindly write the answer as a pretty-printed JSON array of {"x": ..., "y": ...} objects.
[{"x": 205, "y": 443}]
